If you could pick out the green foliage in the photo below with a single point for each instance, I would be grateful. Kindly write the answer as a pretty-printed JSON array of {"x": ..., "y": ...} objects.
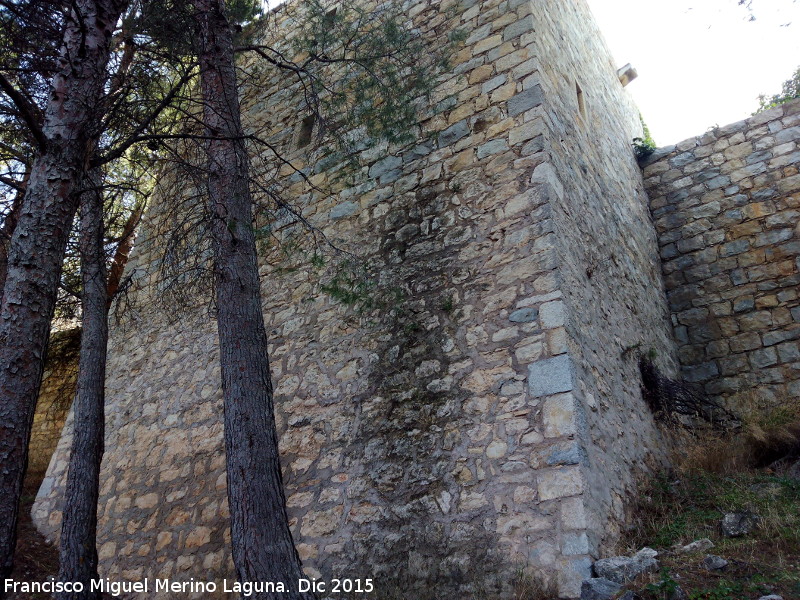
[
  {"x": 789, "y": 91},
  {"x": 168, "y": 24},
  {"x": 317, "y": 260},
  {"x": 241, "y": 12},
  {"x": 448, "y": 304},
  {"x": 644, "y": 146},
  {"x": 352, "y": 286},
  {"x": 665, "y": 588},
  {"x": 171, "y": 23},
  {"x": 724, "y": 590},
  {"x": 349, "y": 282},
  {"x": 367, "y": 68},
  {"x": 411, "y": 327},
  {"x": 678, "y": 508}
]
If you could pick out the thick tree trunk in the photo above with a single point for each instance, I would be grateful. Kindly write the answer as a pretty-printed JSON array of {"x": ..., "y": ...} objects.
[
  {"x": 263, "y": 549},
  {"x": 39, "y": 240},
  {"x": 78, "y": 549}
]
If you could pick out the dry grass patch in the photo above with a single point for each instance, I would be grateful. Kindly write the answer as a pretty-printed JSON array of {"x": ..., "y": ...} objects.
[
  {"x": 752, "y": 468},
  {"x": 527, "y": 586}
]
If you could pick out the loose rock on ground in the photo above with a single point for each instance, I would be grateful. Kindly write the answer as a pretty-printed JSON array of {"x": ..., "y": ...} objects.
[{"x": 622, "y": 569}]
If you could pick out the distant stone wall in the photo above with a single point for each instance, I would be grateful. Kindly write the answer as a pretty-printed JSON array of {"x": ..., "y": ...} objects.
[
  {"x": 727, "y": 208},
  {"x": 485, "y": 417},
  {"x": 55, "y": 398}
]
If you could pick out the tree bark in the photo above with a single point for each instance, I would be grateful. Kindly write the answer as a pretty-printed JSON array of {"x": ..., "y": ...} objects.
[
  {"x": 78, "y": 548},
  {"x": 262, "y": 544},
  {"x": 123, "y": 250},
  {"x": 37, "y": 246},
  {"x": 6, "y": 231}
]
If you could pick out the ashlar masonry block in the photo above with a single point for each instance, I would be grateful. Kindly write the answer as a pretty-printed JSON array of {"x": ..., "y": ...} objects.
[{"x": 551, "y": 376}]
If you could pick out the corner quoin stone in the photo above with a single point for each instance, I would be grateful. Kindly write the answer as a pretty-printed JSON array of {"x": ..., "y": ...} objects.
[
  {"x": 525, "y": 100},
  {"x": 550, "y": 376}
]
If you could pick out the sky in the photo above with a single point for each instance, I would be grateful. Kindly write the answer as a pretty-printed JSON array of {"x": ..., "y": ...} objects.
[{"x": 701, "y": 63}]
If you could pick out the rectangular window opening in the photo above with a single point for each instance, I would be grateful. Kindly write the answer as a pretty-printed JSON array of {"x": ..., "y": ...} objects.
[
  {"x": 581, "y": 101},
  {"x": 306, "y": 131},
  {"x": 330, "y": 16}
]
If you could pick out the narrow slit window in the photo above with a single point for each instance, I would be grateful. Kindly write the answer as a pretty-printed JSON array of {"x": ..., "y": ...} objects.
[
  {"x": 330, "y": 16},
  {"x": 306, "y": 131},
  {"x": 581, "y": 101}
]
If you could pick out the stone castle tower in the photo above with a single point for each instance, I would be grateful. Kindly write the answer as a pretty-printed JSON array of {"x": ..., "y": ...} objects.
[{"x": 491, "y": 421}]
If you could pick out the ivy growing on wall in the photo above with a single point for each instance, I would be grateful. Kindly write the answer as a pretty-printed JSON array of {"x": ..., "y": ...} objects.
[{"x": 644, "y": 146}]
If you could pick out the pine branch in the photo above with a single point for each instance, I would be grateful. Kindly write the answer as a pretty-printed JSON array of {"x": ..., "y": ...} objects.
[
  {"x": 27, "y": 111},
  {"x": 138, "y": 134}
]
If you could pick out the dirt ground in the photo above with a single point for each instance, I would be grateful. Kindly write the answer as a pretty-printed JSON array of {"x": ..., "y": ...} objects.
[{"x": 35, "y": 559}]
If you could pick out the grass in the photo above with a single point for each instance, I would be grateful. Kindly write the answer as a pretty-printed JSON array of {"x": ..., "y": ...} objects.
[
  {"x": 675, "y": 511},
  {"x": 681, "y": 510},
  {"x": 526, "y": 586},
  {"x": 752, "y": 469}
]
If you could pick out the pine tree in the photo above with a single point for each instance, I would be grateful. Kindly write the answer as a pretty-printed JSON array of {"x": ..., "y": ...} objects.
[
  {"x": 365, "y": 69},
  {"x": 65, "y": 141},
  {"x": 78, "y": 548},
  {"x": 263, "y": 549}
]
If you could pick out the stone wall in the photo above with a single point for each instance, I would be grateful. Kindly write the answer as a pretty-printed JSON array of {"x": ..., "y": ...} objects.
[
  {"x": 470, "y": 411},
  {"x": 55, "y": 398},
  {"x": 614, "y": 305},
  {"x": 726, "y": 205}
]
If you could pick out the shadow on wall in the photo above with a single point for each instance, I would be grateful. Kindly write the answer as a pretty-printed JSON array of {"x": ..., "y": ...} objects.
[{"x": 55, "y": 397}]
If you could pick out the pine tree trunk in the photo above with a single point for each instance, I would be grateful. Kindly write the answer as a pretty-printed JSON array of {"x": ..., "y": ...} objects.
[
  {"x": 38, "y": 244},
  {"x": 78, "y": 548},
  {"x": 263, "y": 549}
]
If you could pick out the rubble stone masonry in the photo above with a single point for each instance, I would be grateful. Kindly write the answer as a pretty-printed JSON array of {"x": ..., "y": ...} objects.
[
  {"x": 55, "y": 397},
  {"x": 482, "y": 417},
  {"x": 726, "y": 206}
]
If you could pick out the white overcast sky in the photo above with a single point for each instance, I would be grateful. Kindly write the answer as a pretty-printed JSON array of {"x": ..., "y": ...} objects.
[{"x": 701, "y": 62}]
